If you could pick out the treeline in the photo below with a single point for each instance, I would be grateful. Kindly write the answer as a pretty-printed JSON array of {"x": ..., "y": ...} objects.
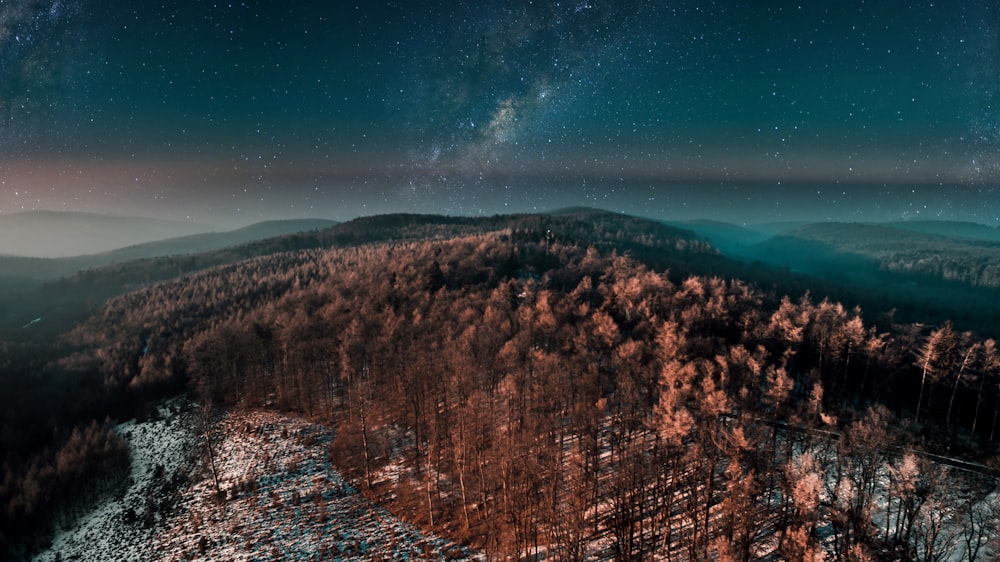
[{"x": 541, "y": 392}]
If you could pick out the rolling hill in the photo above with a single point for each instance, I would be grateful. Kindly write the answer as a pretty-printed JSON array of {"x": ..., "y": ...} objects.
[
  {"x": 62, "y": 289},
  {"x": 953, "y": 229},
  {"x": 42, "y": 269},
  {"x": 921, "y": 251},
  {"x": 57, "y": 234},
  {"x": 206, "y": 242},
  {"x": 20, "y": 271}
]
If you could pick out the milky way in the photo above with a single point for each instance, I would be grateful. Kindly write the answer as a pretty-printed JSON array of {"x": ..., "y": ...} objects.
[{"x": 749, "y": 112}]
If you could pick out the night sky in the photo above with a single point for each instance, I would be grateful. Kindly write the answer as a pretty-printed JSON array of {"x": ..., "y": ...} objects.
[{"x": 233, "y": 112}]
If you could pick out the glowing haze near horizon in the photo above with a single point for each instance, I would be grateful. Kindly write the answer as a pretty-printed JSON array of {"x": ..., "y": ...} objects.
[{"x": 233, "y": 112}]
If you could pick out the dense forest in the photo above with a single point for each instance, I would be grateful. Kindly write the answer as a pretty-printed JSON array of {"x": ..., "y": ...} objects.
[{"x": 547, "y": 385}]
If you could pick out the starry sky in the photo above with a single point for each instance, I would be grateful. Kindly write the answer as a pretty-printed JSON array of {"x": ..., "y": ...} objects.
[{"x": 230, "y": 113}]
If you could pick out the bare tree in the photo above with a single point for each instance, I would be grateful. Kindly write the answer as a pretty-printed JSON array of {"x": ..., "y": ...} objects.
[
  {"x": 205, "y": 429},
  {"x": 932, "y": 359},
  {"x": 936, "y": 536},
  {"x": 979, "y": 525},
  {"x": 969, "y": 358}
]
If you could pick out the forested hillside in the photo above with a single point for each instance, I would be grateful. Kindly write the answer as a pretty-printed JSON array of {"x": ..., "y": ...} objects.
[
  {"x": 60, "y": 303},
  {"x": 57, "y": 387},
  {"x": 550, "y": 386},
  {"x": 927, "y": 254}
]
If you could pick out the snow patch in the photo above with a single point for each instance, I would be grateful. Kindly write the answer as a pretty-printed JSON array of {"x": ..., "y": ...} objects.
[{"x": 278, "y": 498}]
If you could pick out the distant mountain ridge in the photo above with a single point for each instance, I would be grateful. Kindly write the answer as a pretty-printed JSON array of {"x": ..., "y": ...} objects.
[
  {"x": 954, "y": 229},
  {"x": 209, "y": 241},
  {"x": 59, "y": 234},
  {"x": 36, "y": 268}
]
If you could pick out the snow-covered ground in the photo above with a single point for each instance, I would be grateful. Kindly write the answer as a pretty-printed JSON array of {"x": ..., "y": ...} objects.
[
  {"x": 110, "y": 531},
  {"x": 282, "y": 500}
]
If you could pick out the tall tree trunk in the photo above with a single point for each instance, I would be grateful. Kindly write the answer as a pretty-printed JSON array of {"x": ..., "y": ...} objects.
[
  {"x": 958, "y": 378},
  {"x": 364, "y": 444},
  {"x": 920, "y": 396},
  {"x": 979, "y": 402},
  {"x": 429, "y": 480},
  {"x": 460, "y": 461},
  {"x": 211, "y": 450},
  {"x": 996, "y": 411}
]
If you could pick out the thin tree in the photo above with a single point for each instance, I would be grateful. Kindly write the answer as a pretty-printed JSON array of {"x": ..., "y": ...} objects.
[
  {"x": 968, "y": 359},
  {"x": 986, "y": 371},
  {"x": 931, "y": 359},
  {"x": 205, "y": 428}
]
